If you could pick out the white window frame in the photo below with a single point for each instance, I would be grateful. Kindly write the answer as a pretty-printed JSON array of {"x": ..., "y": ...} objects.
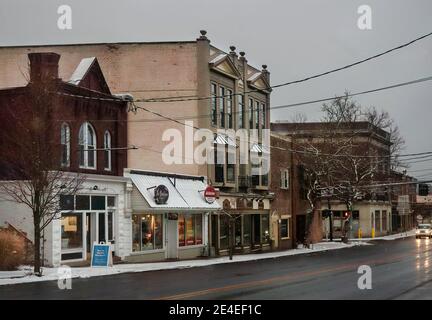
[
  {"x": 288, "y": 227},
  {"x": 284, "y": 179},
  {"x": 66, "y": 136},
  {"x": 85, "y": 126},
  {"x": 107, "y": 150}
]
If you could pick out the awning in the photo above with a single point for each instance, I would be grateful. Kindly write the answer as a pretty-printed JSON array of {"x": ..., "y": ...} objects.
[
  {"x": 224, "y": 139},
  {"x": 184, "y": 194},
  {"x": 259, "y": 148}
]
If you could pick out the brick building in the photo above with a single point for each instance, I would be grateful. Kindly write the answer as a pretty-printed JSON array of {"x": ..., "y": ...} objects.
[
  {"x": 374, "y": 210},
  {"x": 241, "y": 100},
  {"x": 91, "y": 140}
]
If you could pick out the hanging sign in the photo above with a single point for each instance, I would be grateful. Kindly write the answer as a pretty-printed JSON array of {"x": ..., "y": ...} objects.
[
  {"x": 210, "y": 194},
  {"x": 161, "y": 194}
]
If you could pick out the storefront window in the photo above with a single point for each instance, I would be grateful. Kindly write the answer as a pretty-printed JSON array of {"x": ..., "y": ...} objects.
[
  {"x": 247, "y": 230},
  {"x": 71, "y": 231},
  {"x": 98, "y": 203},
  {"x": 224, "y": 232},
  {"x": 190, "y": 229},
  {"x": 265, "y": 231},
  {"x": 284, "y": 228},
  {"x": 82, "y": 202},
  {"x": 147, "y": 232}
]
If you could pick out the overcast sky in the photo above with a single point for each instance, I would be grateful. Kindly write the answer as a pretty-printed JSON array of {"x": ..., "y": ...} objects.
[{"x": 295, "y": 38}]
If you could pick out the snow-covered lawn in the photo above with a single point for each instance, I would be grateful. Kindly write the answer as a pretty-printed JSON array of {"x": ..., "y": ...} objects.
[{"x": 24, "y": 274}]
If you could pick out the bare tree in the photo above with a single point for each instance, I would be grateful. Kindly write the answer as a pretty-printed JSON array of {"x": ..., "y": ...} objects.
[
  {"x": 337, "y": 164},
  {"x": 30, "y": 159}
]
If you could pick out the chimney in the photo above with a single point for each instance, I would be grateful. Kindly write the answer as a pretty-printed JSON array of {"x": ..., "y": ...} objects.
[{"x": 43, "y": 66}]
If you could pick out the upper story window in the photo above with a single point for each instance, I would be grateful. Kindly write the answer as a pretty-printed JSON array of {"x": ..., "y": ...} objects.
[
  {"x": 257, "y": 115},
  {"x": 241, "y": 111},
  {"x": 250, "y": 112},
  {"x": 214, "y": 104},
  {"x": 87, "y": 146},
  {"x": 284, "y": 179},
  {"x": 107, "y": 151},
  {"x": 222, "y": 106},
  {"x": 229, "y": 108},
  {"x": 65, "y": 145},
  {"x": 263, "y": 116}
]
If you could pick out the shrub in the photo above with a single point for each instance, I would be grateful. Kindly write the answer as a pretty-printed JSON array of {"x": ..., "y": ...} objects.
[{"x": 12, "y": 250}]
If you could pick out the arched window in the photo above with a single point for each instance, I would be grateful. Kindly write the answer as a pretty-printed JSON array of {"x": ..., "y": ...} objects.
[
  {"x": 65, "y": 145},
  {"x": 87, "y": 146},
  {"x": 107, "y": 151}
]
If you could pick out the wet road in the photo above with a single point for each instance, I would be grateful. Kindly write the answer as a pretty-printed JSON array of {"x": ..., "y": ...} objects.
[{"x": 401, "y": 269}]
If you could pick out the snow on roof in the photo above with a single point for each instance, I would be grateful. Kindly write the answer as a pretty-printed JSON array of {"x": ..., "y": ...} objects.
[
  {"x": 254, "y": 76},
  {"x": 81, "y": 70},
  {"x": 218, "y": 58}
]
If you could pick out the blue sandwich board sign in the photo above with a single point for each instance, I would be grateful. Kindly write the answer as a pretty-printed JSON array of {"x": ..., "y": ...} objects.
[{"x": 101, "y": 255}]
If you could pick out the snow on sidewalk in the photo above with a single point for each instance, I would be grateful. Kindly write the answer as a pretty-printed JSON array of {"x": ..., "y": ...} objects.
[
  {"x": 396, "y": 236},
  {"x": 49, "y": 274}
]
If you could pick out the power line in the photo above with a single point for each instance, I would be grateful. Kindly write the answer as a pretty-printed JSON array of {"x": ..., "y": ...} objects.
[
  {"x": 196, "y": 98},
  {"x": 165, "y": 118},
  {"x": 188, "y": 98}
]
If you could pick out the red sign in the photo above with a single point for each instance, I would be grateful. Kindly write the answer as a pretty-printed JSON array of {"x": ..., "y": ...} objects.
[{"x": 210, "y": 194}]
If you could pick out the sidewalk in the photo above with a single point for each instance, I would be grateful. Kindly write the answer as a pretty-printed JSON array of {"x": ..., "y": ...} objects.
[
  {"x": 24, "y": 275},
  {"x": 395, "y": 236}
]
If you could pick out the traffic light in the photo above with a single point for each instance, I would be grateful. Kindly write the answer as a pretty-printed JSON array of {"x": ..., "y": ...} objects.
[
  {"x": 346, "y": 214},
  {"x": 423, "y": 189}
]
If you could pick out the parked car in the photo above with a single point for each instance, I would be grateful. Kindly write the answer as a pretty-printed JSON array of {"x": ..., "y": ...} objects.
[{"x": 424, "y": 230}]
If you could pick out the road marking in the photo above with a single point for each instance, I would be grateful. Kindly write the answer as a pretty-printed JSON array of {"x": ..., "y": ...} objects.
[{"x": 256, "y": 283}]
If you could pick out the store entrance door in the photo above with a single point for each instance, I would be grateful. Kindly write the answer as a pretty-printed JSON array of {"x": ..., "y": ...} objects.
[
  {"x": 172, "y": 239},
  {"x": 99, "y": 228}
]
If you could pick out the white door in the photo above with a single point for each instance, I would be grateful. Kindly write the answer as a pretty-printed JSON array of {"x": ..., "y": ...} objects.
[{"x": 172, "y": 239}]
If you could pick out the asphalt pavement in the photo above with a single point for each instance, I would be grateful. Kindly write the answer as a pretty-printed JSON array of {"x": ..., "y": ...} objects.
[{"x": 400, "y": 269}]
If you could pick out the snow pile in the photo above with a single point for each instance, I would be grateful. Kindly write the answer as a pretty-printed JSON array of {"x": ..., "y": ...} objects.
[{"x": 52, "y": 274}]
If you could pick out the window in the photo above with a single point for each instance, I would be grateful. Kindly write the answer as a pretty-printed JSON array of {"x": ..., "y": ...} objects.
[
  {"x": 247, "y": 229},
  {"x": 241, "y": 111},
  {"x": 65, "y": 145},
  {"x": 257, "y": 116},
  {"x": 71, "y": 231},
  {"x": 284, "y": 179},
  {"x": 229, "y": 104},
  {"x": 190, "y": 229},
  {"x": 219, "y": 165},
  {"x": 263, "y": 116},
  {"x": 265, "y": 231},
  {"x": 147, "y": 232},
  {"x": 222, "y": 106},
  {"x": 284, "y": 229},
  {"x": 251, "y": 108},
  {"x": 377, "y": 221},
  {"x": 224, "y": 232},
  {"x": 230, "y": 156},
  {"x": 384, "y": 220},
  {"x": 214, "y": 104},
  {"x": 87, "y": 146},
  {"x": 107, "y": 151}
]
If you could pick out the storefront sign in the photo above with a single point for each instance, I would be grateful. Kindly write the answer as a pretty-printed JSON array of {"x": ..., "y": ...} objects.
[
  {"x": 101, "y": 255},
  {"x": 161, "y": 194},
  {"x": 210, "y": 194}
]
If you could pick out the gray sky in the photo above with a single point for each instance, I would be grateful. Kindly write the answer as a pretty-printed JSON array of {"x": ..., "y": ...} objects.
[{"x": 294, "y": 38}]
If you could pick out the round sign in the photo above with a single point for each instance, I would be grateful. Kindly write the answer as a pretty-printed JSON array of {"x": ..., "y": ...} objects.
[
  {"x": 210, "y": 194},
  {"x": 161, "y": 194}
]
